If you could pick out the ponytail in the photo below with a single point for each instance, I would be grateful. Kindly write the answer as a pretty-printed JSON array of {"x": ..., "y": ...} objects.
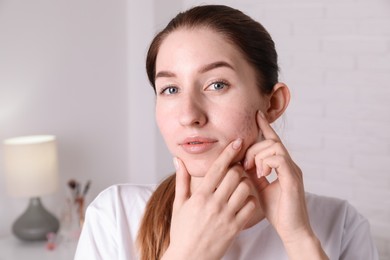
[{"x": 153, "y": 235}]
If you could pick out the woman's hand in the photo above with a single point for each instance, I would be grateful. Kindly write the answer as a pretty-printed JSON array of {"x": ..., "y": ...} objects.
[
  {"x": 283, "y": 200},
  {"x": 205, "y": 222}
]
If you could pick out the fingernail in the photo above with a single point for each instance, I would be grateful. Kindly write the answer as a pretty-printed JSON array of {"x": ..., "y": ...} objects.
[
  {"x": 261, "y": 114},
  {"x": 176, "y": 163},
  {"x": 259, "y": 170},
  {"x": 259, "y": 173},
  {"x": 245, "y": 164},
  {"x": 237, "y": 144}
]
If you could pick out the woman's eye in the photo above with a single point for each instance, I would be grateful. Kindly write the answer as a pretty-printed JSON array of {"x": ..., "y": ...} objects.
[
  {"x": 169, "y": 90},
  {"x": 217, "y": 85}
]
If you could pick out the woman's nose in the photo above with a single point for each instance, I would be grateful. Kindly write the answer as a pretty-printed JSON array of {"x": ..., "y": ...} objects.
[{"x": 192, "y": 112}]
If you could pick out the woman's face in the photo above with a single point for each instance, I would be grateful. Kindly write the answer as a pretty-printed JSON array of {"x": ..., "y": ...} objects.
[{"x": 207, "y": 96}]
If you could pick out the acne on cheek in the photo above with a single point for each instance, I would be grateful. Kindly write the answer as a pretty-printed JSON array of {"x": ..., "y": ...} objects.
[
  {"x": 248, "y": 122},
  {"x": 248, "y": 129}
]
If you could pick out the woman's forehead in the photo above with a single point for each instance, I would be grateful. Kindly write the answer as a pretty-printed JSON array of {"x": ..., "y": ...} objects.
[{"x": 197, "y": 45}]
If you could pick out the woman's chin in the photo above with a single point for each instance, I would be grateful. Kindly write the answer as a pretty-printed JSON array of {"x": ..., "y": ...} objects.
[
  {"x": 197, "y": 174},
  {"x": 199, "y": 168}
]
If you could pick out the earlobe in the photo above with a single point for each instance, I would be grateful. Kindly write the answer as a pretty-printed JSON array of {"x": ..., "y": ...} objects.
[{"x": 278, "y": 101}]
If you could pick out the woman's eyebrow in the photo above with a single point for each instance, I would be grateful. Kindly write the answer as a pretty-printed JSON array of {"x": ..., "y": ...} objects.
[
  {"x": 206, "y": 68},
  {"x": 165, "y": 74},
  {"x": 214, "y": 65}
]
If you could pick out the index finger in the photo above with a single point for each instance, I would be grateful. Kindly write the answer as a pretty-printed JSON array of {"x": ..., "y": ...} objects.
[
  {"x": 265, "y": 127},
  {"x": 220, "y": 166},
  {"x": 183, "y": 179}
]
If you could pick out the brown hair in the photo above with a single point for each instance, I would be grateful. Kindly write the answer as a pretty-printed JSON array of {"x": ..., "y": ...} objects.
[
  {"x": 258, "y": 48},
  {"x": 153, "y": 235}
]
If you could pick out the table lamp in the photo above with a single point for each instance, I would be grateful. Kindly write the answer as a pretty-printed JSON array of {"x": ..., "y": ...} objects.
[{"x": 31, "y": 170}]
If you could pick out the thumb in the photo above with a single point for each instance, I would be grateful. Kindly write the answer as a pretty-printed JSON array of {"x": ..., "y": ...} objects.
[{"x": 183, "y": 178}]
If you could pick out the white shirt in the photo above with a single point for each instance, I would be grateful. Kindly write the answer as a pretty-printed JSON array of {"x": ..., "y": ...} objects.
[{"x": 113, "y": 218}]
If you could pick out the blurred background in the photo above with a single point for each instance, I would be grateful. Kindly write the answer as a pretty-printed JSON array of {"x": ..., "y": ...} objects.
[{"x": 75, "y": 69}]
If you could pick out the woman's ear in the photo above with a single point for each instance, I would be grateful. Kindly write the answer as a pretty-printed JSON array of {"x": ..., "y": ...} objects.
[{"x": 278, "y": 101}]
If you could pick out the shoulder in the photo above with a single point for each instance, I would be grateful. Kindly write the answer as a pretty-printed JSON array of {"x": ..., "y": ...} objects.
[
  {"x": 120, "y": 198},
  {"x": 342, "y": 230},
  {"x": 124, "y": 192},
  {"x": 319, "y": 203},
  {"x": 332, "y": 208},
  {"x": 111, "y": 222}
]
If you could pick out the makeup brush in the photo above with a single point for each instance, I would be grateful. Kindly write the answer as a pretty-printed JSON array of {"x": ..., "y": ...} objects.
[
  {"x": 72, "y": 185},
  {"x": 77, "y": 190},
  {"x": 86, "y": 188}
]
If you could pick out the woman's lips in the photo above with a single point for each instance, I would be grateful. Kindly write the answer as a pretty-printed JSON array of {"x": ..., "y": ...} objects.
[{"x": 197, "y": 145}]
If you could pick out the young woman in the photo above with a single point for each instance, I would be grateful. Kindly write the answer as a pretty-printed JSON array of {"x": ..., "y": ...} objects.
[{"x": 215, "y": 74}]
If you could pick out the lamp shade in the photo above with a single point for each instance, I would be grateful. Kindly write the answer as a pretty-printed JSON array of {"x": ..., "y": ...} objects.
[{"x": 31, "y": 165}]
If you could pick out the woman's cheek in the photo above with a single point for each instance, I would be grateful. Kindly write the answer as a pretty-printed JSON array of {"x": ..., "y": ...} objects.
[
  {"x": 164, "y": 126},
  {"x": 248, "y": 129}
]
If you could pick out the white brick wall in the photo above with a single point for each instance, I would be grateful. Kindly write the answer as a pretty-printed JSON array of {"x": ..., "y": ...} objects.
[{"x": 335, "y": 56}]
